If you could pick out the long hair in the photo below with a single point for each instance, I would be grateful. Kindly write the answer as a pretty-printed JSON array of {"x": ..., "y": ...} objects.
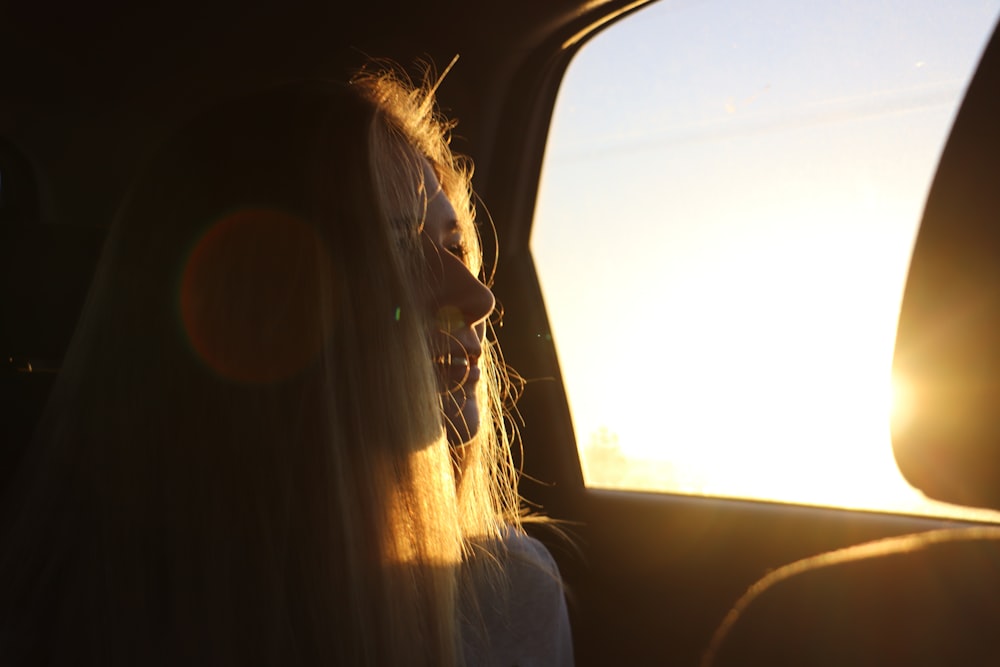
[
  {"x": 489, "y": 504},
  {"x": 243, "y": 460}
]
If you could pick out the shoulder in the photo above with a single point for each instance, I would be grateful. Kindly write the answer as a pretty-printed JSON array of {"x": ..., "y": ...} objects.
[
  {"x": 530, "y": 568},
  {"x": 527, "y": 624}
]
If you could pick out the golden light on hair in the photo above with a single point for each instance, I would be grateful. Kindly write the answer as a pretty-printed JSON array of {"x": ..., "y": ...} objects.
[
  {"x": 250, "y": 294},
  {"x": 422, "y": 532}
]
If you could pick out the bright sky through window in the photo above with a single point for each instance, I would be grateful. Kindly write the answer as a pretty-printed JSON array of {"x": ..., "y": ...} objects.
[{"x": 729, "y": 200}]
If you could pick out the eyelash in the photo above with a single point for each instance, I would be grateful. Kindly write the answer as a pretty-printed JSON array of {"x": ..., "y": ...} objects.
[{"x": 459, "y": 250}]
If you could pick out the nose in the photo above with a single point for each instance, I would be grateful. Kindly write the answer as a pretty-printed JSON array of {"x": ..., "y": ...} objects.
[{"x": 462, "y": 299}]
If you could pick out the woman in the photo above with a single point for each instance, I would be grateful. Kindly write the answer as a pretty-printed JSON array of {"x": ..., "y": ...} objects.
[{"x": 276, "y": 438}]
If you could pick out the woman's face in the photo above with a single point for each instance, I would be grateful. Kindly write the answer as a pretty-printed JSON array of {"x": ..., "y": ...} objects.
[{"x": 459, "y": 305}]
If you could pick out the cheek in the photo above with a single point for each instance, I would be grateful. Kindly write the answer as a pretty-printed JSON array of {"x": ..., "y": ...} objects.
[{"x": 432, "y": 281}]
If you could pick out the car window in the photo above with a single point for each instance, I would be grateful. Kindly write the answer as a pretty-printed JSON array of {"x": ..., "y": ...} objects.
[{"x": 729, "y": 199}]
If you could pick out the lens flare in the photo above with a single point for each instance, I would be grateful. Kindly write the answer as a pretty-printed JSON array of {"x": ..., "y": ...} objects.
[
  {"x": 252, "y": 296},
  {"x": 449, "y": 318}
]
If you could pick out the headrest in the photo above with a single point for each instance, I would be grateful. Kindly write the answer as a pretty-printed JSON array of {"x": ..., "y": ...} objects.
[
  {"x": 45, "y": 271},
  {"x": 946, "y": 428}
]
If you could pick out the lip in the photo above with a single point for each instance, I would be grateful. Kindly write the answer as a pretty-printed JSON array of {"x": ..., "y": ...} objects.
[{"x": 462, "y": 376}]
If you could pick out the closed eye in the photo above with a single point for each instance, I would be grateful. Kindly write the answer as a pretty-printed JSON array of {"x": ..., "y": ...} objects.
[{"x": 459, "y": 250}]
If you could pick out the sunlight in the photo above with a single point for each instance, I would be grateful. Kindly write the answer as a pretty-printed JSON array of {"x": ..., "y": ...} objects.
[
  {"x": 759, "y": 364},
  {"x": 900, "y": 406}
]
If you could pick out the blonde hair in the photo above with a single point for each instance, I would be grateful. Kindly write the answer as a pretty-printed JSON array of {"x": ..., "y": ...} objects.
[
  {"x": 198, "y": 494},
  {"x": 409, "y": 128}
]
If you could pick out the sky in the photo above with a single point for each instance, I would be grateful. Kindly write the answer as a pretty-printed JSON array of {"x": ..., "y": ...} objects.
[{"x": 745, "y": 181}]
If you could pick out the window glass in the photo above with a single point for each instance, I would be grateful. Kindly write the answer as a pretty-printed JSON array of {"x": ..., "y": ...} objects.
[{"x": 728, "y": 204}]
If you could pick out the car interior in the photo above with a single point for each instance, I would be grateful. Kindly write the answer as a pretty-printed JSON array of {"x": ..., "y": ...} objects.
[{"x": 652, "y": 578}]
